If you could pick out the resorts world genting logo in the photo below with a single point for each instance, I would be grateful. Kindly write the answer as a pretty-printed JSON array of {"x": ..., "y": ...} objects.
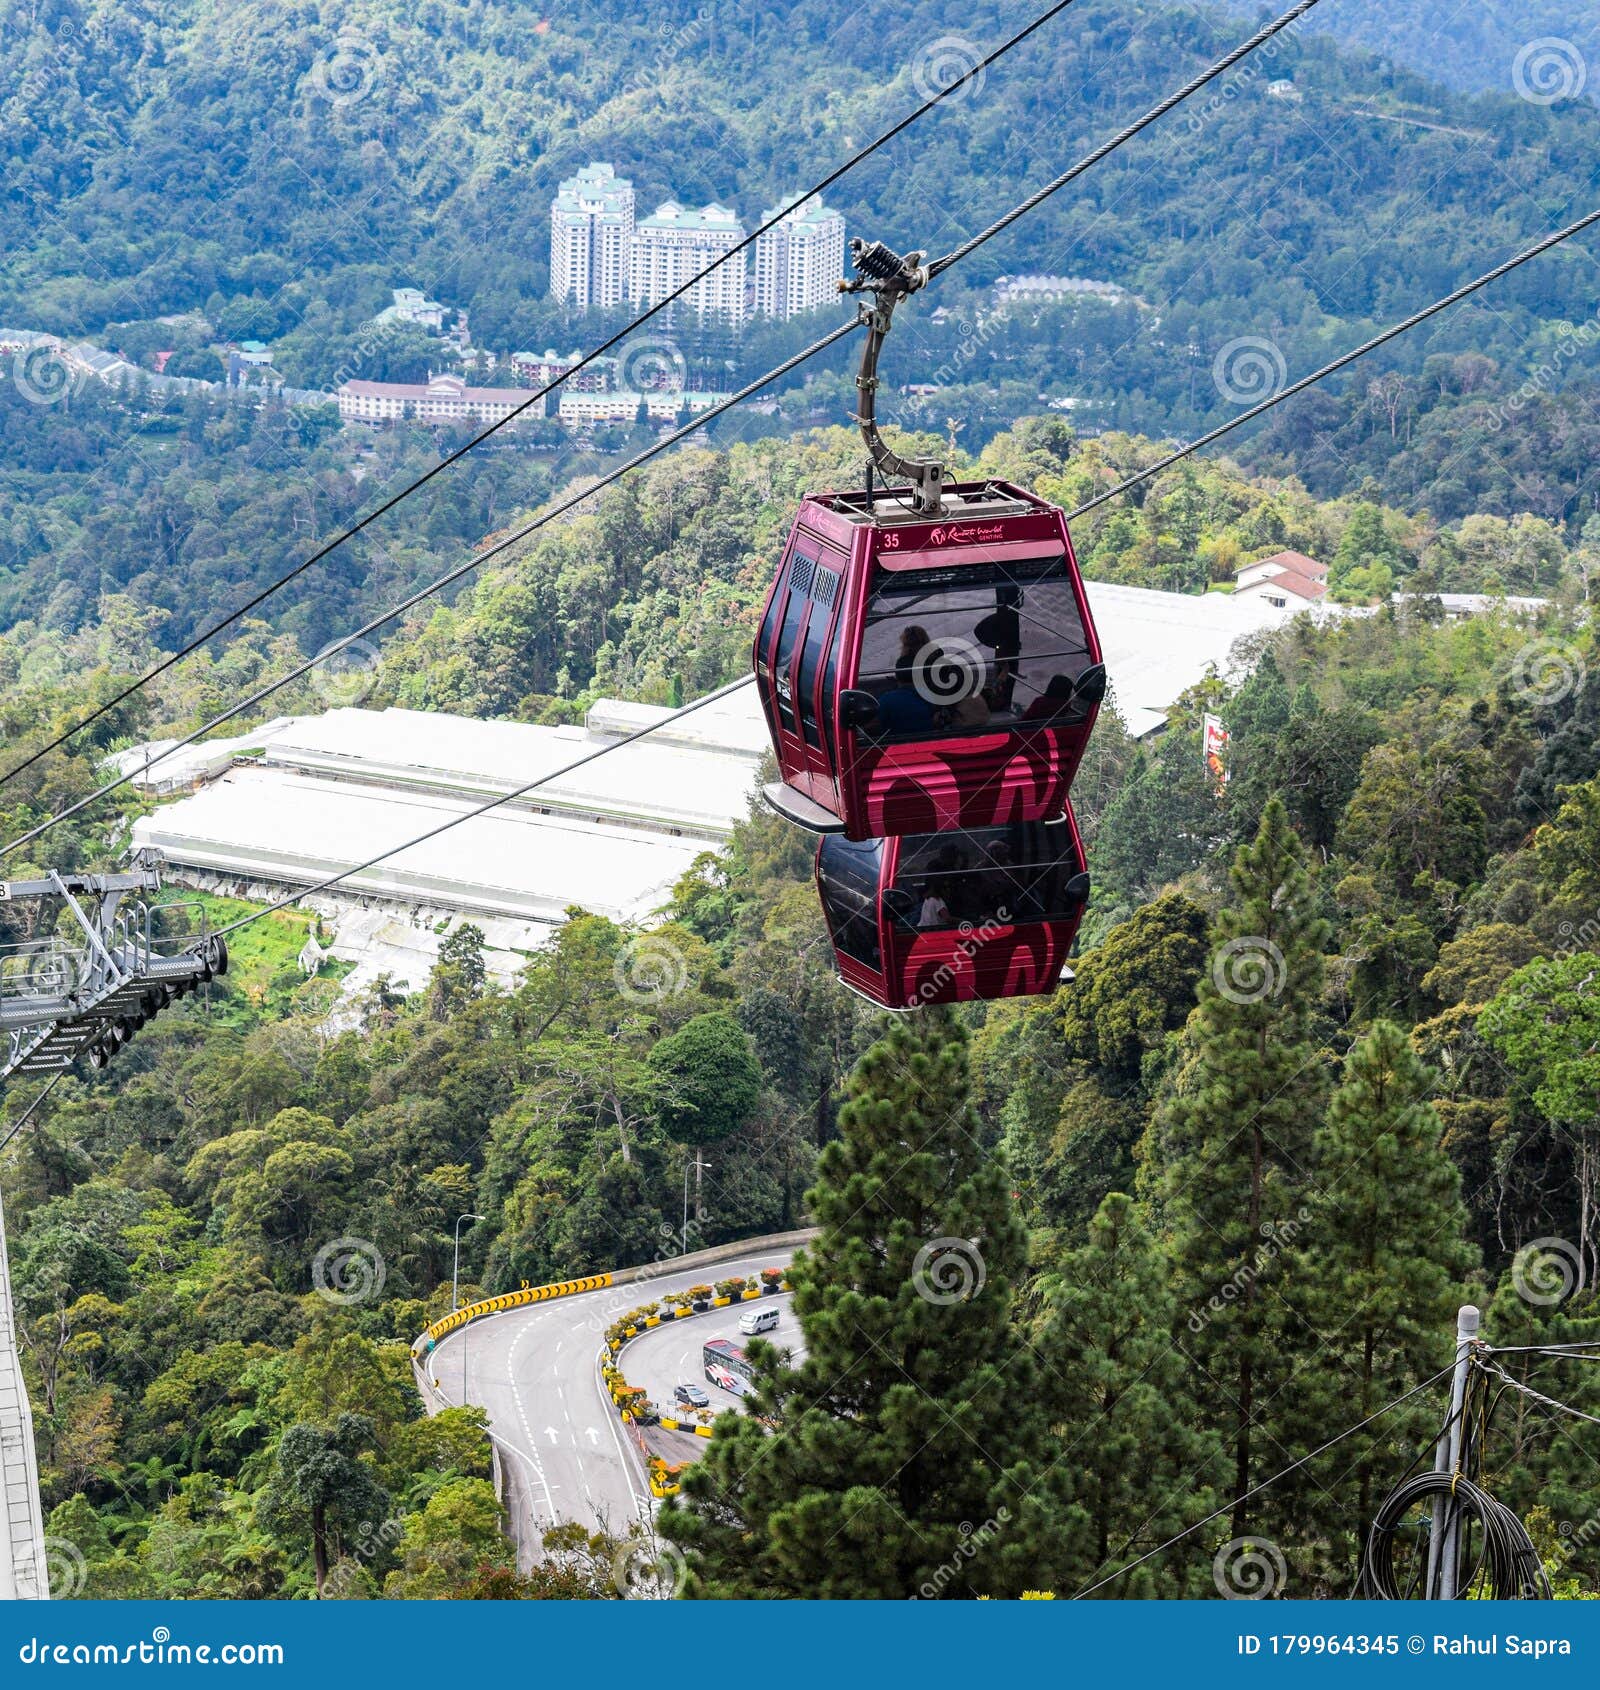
[{"x": 964, "y": 534}]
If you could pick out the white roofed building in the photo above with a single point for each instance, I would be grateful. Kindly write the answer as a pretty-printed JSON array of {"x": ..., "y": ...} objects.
[
  {"x": 591, "y": 231},
  {"x": 674, "y": 245}
]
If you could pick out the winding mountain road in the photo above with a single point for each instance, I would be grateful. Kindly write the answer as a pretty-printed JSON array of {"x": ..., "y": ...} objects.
[{"x": 564, "y": 1453}]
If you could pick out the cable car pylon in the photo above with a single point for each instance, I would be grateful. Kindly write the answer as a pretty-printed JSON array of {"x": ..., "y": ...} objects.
[{"x": 100, "y": 976}]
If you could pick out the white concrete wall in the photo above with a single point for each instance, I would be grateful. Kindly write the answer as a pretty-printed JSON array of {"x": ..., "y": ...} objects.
[{"x": 23, "y": 1571}]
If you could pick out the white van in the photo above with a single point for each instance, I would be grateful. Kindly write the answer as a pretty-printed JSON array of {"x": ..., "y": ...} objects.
[{"x": 758, "y": 1320}]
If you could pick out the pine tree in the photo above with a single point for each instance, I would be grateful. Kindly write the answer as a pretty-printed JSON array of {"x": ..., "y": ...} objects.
[
  {"x": 1382, "y": 1274},
  {"x": 907, "y": 1453},
  {"x": 1135, "y": 1471},
  {"x": 1235, "y": 1144}
]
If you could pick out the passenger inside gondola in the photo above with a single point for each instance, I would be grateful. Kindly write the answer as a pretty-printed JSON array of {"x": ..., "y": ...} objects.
[
  {"x": 977, "y": 648},
  {"x": 1006, "y": 876}
]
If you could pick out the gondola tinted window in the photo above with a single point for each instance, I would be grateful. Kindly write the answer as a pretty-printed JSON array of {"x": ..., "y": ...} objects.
[
  {"x": 1002, "y": 876},
  {"x": 971, "y": 648},
  {"x": 847, "y": 873}
]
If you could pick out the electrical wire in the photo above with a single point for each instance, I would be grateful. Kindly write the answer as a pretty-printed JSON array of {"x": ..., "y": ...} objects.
[
  {"x": 158, "y": 669},
  {"x": 1339, "y": 363},
  {"x": 1506, "y": 1558},
  {"x": 1255, "y": 1490},
  {"x": 1040, "y": 195},
  {"x": 476, "y": 561}
]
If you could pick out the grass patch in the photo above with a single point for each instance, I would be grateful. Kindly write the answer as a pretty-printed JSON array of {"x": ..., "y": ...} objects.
[{"x": 263, "y": 958}]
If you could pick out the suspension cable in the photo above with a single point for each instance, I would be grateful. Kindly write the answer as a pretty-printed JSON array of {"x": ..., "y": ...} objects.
[
  {"x": 1340, "y": 362},
  {"x": 476, "y": 561},
  {"x": 27, "y": 1114},
  {"x": 1039, "y": 196},
  {"x": 158, "y": 669}
]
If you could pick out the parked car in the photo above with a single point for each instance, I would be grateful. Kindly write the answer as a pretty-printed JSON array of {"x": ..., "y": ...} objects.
[
  {"x": 691, "y": 1396},
  {"x": 758, "y": 1320}
]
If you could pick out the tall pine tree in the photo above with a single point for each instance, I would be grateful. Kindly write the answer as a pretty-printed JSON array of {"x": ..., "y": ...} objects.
[
  {"x": 1134, "y": 1469},
  {"x": 1381, "y": 1277},
  {"x": 1234, "y": 1144},
  {"x": 907, "y": 1453}
]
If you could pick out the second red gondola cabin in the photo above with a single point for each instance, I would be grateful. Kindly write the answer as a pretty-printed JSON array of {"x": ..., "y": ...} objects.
[{"x": 948, "y": 917}]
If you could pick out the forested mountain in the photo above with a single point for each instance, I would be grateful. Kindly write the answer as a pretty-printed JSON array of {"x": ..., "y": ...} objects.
[
  {"x": 1327, "y": 1064},
  {"x": 1537, "y": 48},
  {"x": 1398, "y": 873},
  {"x": 276, "y": 170}
]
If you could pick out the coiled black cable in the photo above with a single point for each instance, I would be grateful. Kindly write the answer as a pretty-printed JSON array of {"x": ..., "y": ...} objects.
[{"x": 1507, "y": 1562}]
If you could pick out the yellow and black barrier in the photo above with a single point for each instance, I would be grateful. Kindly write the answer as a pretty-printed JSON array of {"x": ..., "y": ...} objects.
[{"x": 510, "y": 1300}]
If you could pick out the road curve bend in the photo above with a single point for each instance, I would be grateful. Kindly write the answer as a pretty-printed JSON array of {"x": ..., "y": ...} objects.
[{"x": 535, "y": 1371}]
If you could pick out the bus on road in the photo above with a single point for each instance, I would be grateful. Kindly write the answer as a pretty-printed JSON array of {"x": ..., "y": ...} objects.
[{"x": 727, "y": 1366}]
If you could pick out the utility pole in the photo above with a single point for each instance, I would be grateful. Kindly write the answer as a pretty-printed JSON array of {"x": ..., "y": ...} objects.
[
  {"x": 455, "y": 1266},
  {"x": 699, "y": 1169},
  {"x": 1444, "y": 1542}
]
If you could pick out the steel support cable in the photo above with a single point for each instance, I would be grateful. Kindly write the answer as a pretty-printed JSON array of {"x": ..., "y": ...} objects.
[
  {"x": 1255, "y": 1490},
  {"x": 27, "y": 1114},
  {"x": 1139, "y": 124},
  {"x": 1538, "y": 1396},
  {"x": 1339, "y": 363},
  {"x": 476, "y": 561},
  {"x": 158, "y": 669}
]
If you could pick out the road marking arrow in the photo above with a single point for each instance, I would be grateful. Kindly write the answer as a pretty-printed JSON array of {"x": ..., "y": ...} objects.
[
  {"x": 594, "y": 1436},
  {"x": 552, "y": 1434}
]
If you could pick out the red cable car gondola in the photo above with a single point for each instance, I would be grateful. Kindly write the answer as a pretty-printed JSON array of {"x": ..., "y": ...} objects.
[
  {"x": 949, "y": 917},
  {"x": 926, "y": 658}
]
